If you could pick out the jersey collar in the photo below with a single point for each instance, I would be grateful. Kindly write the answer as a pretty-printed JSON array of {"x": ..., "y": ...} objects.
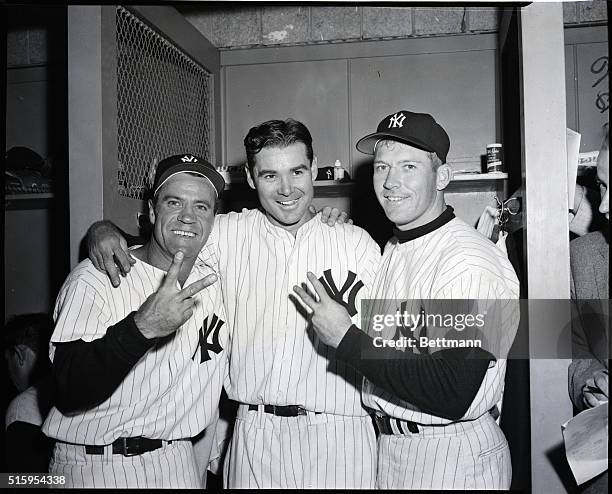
[
  {"x": 280, "y": 232},
  {"x": 419, "y": 231}
]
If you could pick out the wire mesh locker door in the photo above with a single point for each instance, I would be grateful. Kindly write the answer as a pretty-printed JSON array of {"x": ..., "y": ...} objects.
[{"x": 161, "y": 102}]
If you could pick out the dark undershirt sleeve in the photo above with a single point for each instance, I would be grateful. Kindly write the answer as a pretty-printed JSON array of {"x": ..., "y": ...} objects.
[
  {"x": 133, "y": 239},
  {"x": 443, "y": 384},
  {"x": 28, "y": 450},
  {"x": 87, "y": 373}
]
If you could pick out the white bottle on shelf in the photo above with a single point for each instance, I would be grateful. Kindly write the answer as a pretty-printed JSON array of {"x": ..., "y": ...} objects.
[{"x": 338, "y": 171}]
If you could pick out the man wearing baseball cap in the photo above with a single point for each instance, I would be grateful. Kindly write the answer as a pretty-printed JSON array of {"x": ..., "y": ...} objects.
[
  {"x": 139, "y": 369},
  {"x": 432, "y": 387},
  {"x": 300, "y": 422}
]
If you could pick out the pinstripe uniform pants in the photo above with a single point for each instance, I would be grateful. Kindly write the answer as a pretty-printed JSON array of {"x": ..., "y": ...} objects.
[
  {"x": 171, "y": 466},
  {"x": 464, "y": 455},
  {"x": 323, "y": 451}
]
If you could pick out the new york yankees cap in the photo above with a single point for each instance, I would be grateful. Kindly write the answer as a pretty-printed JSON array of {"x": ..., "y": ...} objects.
[
  {"x": 417, "y": 129},
  {"x": 187, "y": 163}
]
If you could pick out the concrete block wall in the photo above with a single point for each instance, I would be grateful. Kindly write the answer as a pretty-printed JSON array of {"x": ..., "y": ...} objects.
[
  {"x": 288, "y": 25},
  {"x": 292, "y": 25},
  {"x": 577, "y": 13},
  {"x": 241, "y": 27}
]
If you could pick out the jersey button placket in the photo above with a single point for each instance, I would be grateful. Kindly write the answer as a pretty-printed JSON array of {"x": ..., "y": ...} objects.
[{"x": 279, "y": 324}]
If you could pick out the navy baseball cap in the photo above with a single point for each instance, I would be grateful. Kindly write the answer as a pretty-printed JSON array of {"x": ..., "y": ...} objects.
[
  {"x": 417, "y": 129},
  {"x": 187, "y": 163}
]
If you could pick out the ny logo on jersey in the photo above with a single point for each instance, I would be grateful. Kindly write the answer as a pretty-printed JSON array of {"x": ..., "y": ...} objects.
[
  {"x": 214, "y": 346},
  {"x": 412, "y": 332},
  {"x": 397, "y": 121},
  {"x": 330, "y": 287},
  {"x": 189, "y": 159}
]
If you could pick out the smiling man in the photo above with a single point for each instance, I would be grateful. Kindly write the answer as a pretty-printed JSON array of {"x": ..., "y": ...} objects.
[
  {"x": 435, "y": 402},
  {"x": 300, "y": 421},
  {"x": 281, "y": 168},
  {"x": 136, "y": 376}
]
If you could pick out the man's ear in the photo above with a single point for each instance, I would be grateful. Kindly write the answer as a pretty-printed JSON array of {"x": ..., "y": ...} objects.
[
  {"x": 314, "y": 168},
  {"x": 25, "y": 355},
  {"x": 151, "y": 212},
  {"x": 249, "y": 177},
  {"x": 444, "y": 175},
  {"x": 19, "y": 351}
]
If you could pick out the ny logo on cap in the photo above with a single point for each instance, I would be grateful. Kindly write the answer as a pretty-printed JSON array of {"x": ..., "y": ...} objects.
[
  {"x": 189, "y": 159},
  {"x": 397, "y": 120}
]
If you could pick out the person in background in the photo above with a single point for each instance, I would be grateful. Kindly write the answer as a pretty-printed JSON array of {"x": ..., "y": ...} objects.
[
  {"x": 589, "y": 264},
  {"x": 26, "y": 338}
]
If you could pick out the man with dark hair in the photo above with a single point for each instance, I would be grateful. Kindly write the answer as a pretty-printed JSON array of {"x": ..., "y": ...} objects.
[
  {"x": 139, "y": 370},
  {"x": 300, "y": 421},
  {"x": 25, "y": 348},
  {"x": 26, "y": 340},
  {"x": 276, "y": 133},
  {"x": 433, "y": 386},
  {"x": 285, "y": 195}
]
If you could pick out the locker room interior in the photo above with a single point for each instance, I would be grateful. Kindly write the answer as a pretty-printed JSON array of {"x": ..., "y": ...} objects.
[{"x": 496, "y": 74}]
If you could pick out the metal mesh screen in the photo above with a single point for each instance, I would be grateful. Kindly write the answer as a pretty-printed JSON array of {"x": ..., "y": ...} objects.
[{"x": 164, "y": 102}]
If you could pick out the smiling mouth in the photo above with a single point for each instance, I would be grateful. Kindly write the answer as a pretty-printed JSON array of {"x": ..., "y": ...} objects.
[
  {"x": 183, "y": 233},
  {"x": 288, "y": 203},
  {"x": 395, "y": 198}
]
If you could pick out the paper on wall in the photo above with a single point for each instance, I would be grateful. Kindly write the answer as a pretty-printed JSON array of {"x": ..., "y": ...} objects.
[
  {"x": 572, "y": 149},
  {"x": 586, "y": 443},
  {"x": 588, "y": 158}
]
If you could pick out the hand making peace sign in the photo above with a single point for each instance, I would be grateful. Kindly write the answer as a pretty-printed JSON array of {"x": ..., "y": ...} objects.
[{"x": 169, "y": 307}]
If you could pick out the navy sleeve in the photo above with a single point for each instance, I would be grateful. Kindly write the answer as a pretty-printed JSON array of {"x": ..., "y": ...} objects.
[
  {"x": 133, "y": 239},
  {"x": 27, "y": 449},
  {"x": 87, "y": 373},
  {"x": 443, "y": 383}
]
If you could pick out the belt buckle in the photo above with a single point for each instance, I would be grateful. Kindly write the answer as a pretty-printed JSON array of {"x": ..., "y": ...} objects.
[
  {"x": 286, "y": 410},
  {"x": 126, "y": 449}
]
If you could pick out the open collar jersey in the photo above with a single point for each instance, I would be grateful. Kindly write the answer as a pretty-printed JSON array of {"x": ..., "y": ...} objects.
[{"x": 275, "y": 356}]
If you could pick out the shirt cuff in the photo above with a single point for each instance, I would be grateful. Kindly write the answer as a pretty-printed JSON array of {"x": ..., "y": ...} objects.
[
  {"x": 352, "y": 345},
  {"x": 130, "y": 343}
]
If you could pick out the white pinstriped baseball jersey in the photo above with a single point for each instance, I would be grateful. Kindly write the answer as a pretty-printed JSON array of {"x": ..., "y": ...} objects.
[
  {"x": 275, "y": 358},
  {"x": 173, "y": 391},
  {"x": 451, "y": 262}
]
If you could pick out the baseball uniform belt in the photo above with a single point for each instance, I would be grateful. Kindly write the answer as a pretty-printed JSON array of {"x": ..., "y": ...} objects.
[
  {"x": 282, "y": 411},
  {"x": 390, "y": 425},
  {"x": 128, "y": 446}
]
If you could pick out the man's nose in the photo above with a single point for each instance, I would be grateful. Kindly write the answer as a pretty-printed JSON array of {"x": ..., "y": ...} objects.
[
  {"x": 187, "y": 214},
  {"x": 391, "y": 180},
  {"x": 286, "y": 187}
]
